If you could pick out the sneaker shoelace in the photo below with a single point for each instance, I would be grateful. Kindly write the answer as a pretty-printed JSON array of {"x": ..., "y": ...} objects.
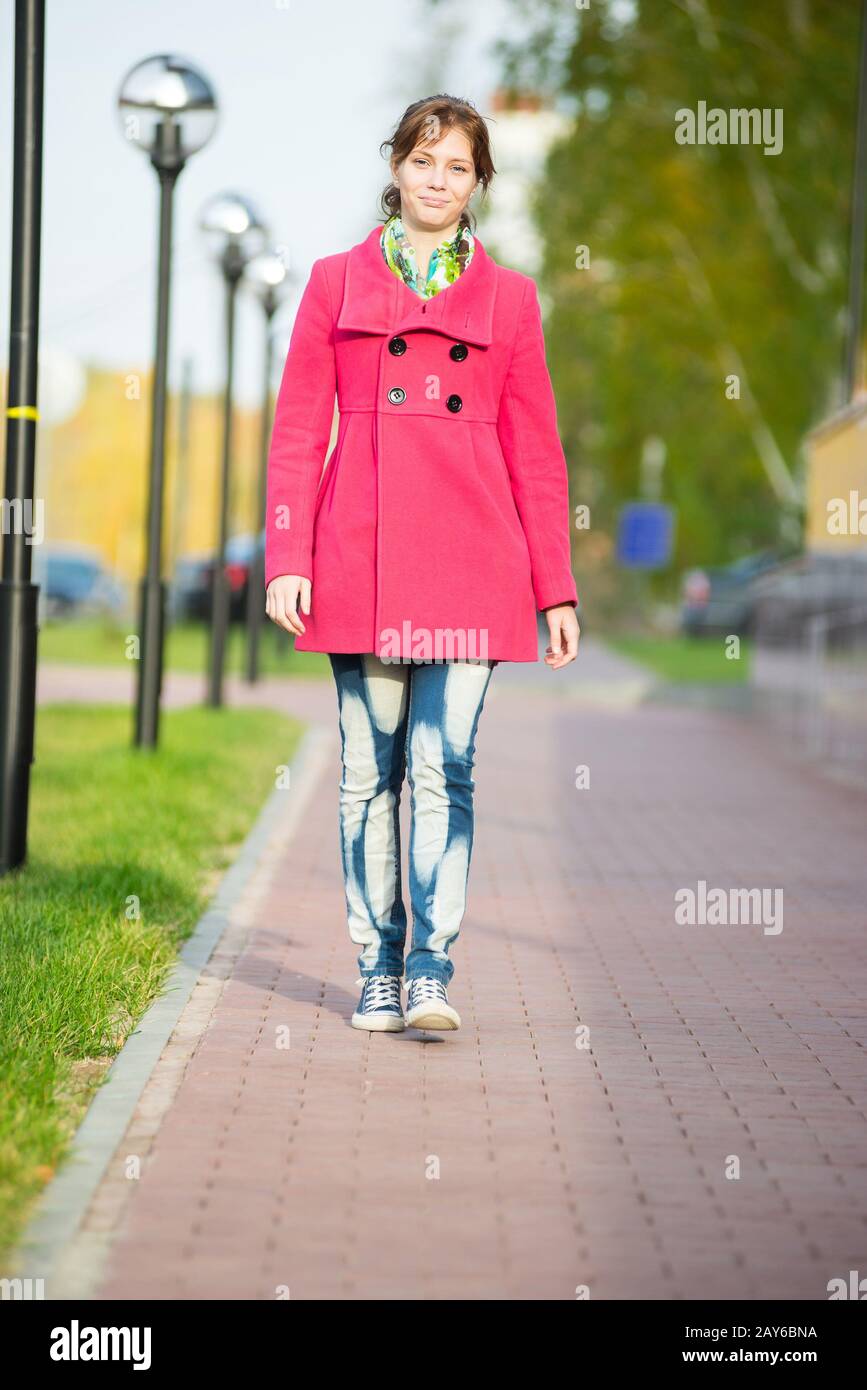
[
  {"x": 381, "y": 992},
  {"x": 426, "y": 989}
]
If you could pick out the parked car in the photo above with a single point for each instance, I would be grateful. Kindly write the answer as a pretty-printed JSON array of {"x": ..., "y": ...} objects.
[
  {"x": 73, "y": 582},
  {"x": 241, "y": 551},
  {"x": 722, "y": 599},
  {"x": 809, "y": 585},
  {"x": 191, "y": 588}
]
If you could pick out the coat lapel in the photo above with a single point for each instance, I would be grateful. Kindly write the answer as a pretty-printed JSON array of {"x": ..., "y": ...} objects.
[{"x": 376, "y": 301}]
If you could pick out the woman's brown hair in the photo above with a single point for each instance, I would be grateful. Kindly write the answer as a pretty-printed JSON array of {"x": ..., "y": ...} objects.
[{"x": 424, "y": 123}]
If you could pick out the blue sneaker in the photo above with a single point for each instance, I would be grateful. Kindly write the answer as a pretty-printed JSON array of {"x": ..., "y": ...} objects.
[
  {"x": 379, "y": 1009},
  {"x": 427, "y": 1005}
]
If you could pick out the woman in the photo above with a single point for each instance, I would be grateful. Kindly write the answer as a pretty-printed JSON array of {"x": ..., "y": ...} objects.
[{"x": 422, "y": 552}]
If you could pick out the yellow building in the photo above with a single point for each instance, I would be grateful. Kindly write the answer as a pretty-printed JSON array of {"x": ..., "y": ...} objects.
[{"x": 837, "y": 480}]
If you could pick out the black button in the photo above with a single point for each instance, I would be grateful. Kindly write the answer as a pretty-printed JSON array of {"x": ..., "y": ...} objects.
[
  {"x": 459, "y": 352},
  {"x": 397, "y": 395},
  {"x": 454, "y": 404},
  {"x": 397, "y": 347}
]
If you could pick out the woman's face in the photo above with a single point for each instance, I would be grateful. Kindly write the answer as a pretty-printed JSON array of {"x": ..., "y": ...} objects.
[{"x": 436, "y": 181}]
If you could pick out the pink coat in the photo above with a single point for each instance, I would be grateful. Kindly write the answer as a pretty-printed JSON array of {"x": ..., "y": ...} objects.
[{"x": 440, "y": 523}]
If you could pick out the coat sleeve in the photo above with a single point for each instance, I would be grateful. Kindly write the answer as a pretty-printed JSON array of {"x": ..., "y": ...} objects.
[
  {"x": 302, "y": 429},
  {"x": 527, "y": 430}
]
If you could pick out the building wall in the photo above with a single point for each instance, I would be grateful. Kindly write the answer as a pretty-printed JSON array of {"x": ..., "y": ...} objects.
[{"x": 837, "y": 482}]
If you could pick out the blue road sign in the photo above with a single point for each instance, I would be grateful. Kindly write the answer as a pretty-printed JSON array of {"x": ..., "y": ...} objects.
[{"x": 645, "y": 535}]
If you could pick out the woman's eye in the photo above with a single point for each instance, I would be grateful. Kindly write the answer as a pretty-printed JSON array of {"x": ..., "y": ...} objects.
[{"x": 456, "y": 168}]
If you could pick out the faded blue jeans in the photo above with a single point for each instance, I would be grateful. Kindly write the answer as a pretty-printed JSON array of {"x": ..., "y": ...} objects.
[{"x": 418, "y": 718}]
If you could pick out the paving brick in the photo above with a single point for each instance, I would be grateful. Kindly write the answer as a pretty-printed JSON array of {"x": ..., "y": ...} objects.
[{"x": 559, "y": 1166}]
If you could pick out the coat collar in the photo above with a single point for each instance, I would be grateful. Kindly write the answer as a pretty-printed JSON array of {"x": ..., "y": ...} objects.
[{"x": 376, "y": 301}]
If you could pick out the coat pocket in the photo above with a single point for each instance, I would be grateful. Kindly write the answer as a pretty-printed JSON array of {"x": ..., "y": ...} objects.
[{"x": 327, "y": 472}]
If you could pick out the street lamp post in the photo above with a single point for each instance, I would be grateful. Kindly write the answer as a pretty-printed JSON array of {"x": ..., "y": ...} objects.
[
  {"x": 266, "y": 273},
  {"x": 168, "y": 109},
  {"x": 18, "y": 594},
  {"x": 237, "y": 234}
]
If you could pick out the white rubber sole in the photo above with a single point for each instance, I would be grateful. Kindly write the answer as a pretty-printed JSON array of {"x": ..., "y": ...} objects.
[
  {"x": 378, "y": 1023},
  {"x": 437, "y": 1017}
]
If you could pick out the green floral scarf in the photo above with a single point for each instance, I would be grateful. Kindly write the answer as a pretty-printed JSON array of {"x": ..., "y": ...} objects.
[{"x": 446, "y": 263}]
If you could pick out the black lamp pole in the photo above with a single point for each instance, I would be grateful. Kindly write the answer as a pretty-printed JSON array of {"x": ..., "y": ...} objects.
[
  {"x": 232, "y": 264},
  {"x": 256, "y": 580},
  {"x": 168, "y": 162},
  {"x": 18, "y": 595}
]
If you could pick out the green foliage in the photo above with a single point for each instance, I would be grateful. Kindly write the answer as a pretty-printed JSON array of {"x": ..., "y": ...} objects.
[
  {"x": 687, "y": 660},
  {"x": 704, "y": 259}
]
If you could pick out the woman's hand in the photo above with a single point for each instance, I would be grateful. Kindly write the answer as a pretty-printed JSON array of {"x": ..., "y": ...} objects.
[
  {"x": 282, "y": 598},
  {"x": 564, "y": 630}
]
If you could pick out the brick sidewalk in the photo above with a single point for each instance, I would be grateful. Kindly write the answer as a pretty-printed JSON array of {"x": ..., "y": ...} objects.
[{"x": 558, "y": 1166}]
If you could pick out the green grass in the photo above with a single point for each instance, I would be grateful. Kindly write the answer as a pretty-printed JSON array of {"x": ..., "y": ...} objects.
[
  {"x": 91, "y": 642},
  {"x": 685, "y": 660},
  {"x": 109, "y": 824}
]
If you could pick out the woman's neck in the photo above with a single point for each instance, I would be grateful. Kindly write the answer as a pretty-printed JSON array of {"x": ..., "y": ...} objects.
[{"x": 424, "y": 242}]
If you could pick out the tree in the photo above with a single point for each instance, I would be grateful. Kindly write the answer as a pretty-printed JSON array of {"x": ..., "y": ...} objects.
[{"x": 706, "y": 261}]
